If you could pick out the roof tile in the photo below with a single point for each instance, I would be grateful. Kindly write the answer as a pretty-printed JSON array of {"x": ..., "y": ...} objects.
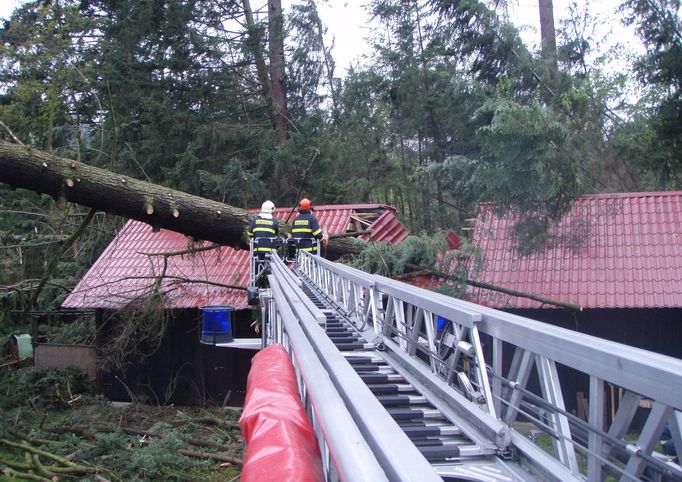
[
  {"x": 632, "y": 256},
  {"x": 124, "y": 273}
]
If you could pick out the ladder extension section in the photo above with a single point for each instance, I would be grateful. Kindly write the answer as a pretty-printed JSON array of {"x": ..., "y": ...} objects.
[{"x": 440, "y": 388}]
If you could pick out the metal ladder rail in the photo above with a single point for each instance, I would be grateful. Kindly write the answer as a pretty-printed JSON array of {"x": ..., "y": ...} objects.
[
  {"x": 397, "y": 394},
  {"x": 426, "y": 419},
  {"x": 484, "y": 426},
  {"x": 542, "y": 346},
  {"x": 345, "y": 454},
  {"x": 639, "y": 372},
  {"x": 396, "y": 455},
  {"x": 479, "y": 425}
]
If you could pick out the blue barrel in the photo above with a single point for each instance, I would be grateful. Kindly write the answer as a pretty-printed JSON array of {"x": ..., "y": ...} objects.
[{"x": 216, "y": 325}]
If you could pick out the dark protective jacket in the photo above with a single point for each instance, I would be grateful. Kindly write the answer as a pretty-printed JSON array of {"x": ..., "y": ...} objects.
[
  {"x": 306, "y": 227},
  {"x": 261, "y": 229}
]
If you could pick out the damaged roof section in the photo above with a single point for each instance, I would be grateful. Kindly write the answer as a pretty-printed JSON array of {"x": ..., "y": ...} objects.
[
  {"x": 381, "y": 219},
  {"x": 138, "y": 262}
]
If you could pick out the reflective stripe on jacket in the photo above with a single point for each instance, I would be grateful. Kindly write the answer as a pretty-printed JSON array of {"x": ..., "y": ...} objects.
[
  {"x": 263, "y": 228},
  {"x": 305, "y": 244},
  {"x": 306, "y": 226}
]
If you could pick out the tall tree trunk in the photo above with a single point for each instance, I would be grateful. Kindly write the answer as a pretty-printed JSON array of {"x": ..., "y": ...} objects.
[
  {"x": 161, "y": 207},
  {"x": 255, "y": 45},
  {"x": 548, "y": 39},
  {"x": 277, "y": 68}
]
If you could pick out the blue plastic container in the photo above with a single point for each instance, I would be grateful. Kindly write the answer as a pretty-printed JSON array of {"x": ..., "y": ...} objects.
[
  {"x": 216, "y": 325},
  {"x": 440, "y": 323}
]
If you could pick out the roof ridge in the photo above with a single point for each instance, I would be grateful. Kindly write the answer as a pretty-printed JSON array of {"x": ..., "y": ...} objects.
[
  {"x": 630, "y": 194},
  {"x": 611, "y": 195}
]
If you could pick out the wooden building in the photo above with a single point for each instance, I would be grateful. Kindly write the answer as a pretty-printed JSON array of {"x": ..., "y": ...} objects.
[
  {"x": 154, "y": 284},
  {"x": 618, "y": 257}
]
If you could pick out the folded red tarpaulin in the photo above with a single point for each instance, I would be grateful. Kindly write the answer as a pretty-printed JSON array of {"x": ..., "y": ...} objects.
[{"x": 280, "y": 441}]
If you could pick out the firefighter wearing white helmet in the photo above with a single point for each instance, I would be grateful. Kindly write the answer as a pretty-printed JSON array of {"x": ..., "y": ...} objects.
[{"x": 264, "y": 228}]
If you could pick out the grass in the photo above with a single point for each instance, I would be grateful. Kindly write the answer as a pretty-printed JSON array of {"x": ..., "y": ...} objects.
[{"x": 545, "y": 442}]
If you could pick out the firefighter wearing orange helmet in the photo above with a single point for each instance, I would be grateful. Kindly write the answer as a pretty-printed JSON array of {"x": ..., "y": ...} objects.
[{"x": 306, "y": 227}]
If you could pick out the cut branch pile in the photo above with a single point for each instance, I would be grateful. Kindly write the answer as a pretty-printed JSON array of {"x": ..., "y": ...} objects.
[
  {"x": 174, "y": 446},
  {"x": 34, "y": 467}
]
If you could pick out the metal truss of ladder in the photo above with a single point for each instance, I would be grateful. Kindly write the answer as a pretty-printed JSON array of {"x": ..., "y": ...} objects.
[
  {"x": 421, "y": 445},
  {"x": 457, "y": 450},
  {"x": 469, "y": 401}
]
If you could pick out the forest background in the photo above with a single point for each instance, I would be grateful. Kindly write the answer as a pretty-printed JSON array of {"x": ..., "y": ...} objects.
[{"x": 241, "y": 102}]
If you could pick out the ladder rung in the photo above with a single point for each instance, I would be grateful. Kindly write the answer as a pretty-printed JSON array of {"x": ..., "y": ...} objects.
[
  {"x": 439, "y": 453},
  {"x": 369, "y": 367},
  {"x": 413, "y": 413},
  {"x": 374, "y": 377},
  {"x": 390, "y": 387},
  {"x": 431, "y": 430},
  {"x": 393, "y": 400}
]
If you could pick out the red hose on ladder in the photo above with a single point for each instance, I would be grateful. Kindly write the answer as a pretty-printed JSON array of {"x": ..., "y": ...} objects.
[{"x": 280, "y": 441}]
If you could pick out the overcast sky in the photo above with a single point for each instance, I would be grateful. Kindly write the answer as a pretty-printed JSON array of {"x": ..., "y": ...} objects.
[{"x": 347, "y": 22}]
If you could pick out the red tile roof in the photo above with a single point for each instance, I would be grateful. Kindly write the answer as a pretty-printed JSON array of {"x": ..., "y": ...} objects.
[
  {"x": 335, "y": 218},
  {"x": 630, "y": 255},
  {"x": 387, "y": 229},
  {"x": 124, "y": 272}
]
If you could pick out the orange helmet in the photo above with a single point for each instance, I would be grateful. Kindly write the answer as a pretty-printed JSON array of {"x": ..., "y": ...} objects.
[{"x": 305, "y": 204}]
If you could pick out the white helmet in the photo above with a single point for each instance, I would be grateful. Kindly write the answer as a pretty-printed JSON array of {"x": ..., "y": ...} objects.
[{"x": 268, "y": 207}]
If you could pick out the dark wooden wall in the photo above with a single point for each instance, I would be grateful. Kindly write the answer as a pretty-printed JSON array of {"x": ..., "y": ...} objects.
[
  {"x": 658, "y": 330},
  {"x": 181, "y": 370}
]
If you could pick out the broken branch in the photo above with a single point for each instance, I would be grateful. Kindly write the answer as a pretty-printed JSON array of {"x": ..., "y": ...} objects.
[{"x": 209, "y": 455}]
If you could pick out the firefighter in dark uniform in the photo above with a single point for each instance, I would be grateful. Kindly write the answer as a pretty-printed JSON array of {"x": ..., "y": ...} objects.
[
  {"x": 263, "y": 229},
  {"x": 305, "y": 229}
]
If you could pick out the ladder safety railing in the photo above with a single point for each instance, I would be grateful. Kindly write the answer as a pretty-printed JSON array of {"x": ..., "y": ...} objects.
[
  {"x": 506, "y": 367},
  {"x": 295, "y": 246},
  {"x": 260, "y": 260},
  {"x": 345, "y": 453},
  {"x": 384, "y": 444}
]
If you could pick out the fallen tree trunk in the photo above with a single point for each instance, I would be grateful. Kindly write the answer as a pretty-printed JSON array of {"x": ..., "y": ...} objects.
[{"x": 161, "y": 207}]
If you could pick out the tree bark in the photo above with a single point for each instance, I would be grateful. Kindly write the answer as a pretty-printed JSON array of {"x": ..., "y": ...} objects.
[
  {"x": 523, "y": 294},
  {"x": 548, "y": 41},
  {"x": 53, "y": 264},
  {"x": 211, "y": 455},
  {"x": 261, "y": 67},
  {"x": 329, "y": 66},
  {"x": 501, "y": 289},
  {"x": 161, "y": 207},
  {"x": 278, "y": 84}
]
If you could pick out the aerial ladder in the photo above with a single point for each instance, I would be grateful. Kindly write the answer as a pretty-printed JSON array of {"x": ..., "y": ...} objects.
[{"x": 404, "y": 384}]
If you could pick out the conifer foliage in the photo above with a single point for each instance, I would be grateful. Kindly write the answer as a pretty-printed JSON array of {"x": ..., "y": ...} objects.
[{"x": 240, "y": 101}]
